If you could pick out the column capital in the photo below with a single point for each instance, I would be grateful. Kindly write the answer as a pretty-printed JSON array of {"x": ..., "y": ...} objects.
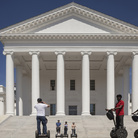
[
  {"x": 135, "y": 53},
  {"x": 34, "y": 53},
  {"x": 86, "y": 53},
  {"x": 111, "y": 53},
  {"x": 8, "y": 52},
  {"x": 60, "y": 53}
]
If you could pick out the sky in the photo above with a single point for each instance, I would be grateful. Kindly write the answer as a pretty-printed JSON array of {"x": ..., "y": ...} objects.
[{"x": 15, "y": 11}]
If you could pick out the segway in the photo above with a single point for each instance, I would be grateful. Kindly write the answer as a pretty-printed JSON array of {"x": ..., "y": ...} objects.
[
  {"x": 73, "y": 134},
  {"x": 116, "y": 133},
  {"x": 58, "y": 133},
  {"x": 135, "y": 119},
  {"x": 62, "y": 135},
  {"x": 65, "y": 132},
  {"x": 43, "y": 135},
  {"x": 65, "y": 135}
]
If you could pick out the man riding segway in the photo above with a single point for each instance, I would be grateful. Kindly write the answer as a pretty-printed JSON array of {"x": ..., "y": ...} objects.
[
  {"x": 58, "y": 126},
  {"x": 40, "y": 107},
  {"x": 119, "y": 109}
]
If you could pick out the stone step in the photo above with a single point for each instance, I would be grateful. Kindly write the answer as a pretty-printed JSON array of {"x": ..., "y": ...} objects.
[{"x": 87, "y": 127}]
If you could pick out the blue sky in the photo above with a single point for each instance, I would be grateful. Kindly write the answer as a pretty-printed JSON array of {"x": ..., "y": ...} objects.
[{"x": 14, "y": 11}]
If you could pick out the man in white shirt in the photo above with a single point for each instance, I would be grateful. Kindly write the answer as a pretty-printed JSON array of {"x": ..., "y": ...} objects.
[{"x": 41, "y": 107}]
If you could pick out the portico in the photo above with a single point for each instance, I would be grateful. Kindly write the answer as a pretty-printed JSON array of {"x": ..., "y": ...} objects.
[
  {"x": 60, "y": 60},
  {"x": 71, "y": 58}
]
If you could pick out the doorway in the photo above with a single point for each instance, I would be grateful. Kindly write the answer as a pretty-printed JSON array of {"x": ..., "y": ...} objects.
[{"x": 72, "y": 110}]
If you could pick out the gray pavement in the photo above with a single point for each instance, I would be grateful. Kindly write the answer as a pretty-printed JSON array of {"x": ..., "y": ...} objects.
[{"x": 87, "y": 127}]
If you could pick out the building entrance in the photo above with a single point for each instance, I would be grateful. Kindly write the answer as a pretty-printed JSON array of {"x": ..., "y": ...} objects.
[
  {"x": 92, "y": 109},
  {"x": 72, "y": 110}
]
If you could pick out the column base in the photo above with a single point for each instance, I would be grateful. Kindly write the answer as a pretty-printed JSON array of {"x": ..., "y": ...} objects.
[
  {"x": 60, "y": 114},
  {"x": 85, "y": 114},
  {"x": 33, "y": 114}
]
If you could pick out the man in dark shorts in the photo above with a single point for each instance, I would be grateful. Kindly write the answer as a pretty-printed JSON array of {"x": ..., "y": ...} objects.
[{"x": 119, "y": 109}]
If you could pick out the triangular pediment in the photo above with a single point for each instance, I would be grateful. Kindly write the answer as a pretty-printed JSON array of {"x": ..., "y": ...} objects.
[
  {"x": 71, "y": 18},
  {"x": 73, "y": 25}
]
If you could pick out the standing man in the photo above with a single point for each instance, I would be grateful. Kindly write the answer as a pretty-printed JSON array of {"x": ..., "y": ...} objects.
[
  {"x": 58, "y": 126},
  {"x": 41, "y": 107},
  {"x": 119, "y": 109}
]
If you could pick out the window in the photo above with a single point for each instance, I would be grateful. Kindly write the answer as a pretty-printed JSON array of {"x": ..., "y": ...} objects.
[
  {"x": 92, "y": 109},
  {"x": 72, "y": 84},
  {"x": 52, "y": 109},
  {"x": 52, "y": 85},
  {"x": 92, "y": 85}
]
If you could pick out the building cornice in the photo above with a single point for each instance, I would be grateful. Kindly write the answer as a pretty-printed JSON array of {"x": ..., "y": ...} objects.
[
  {"x": 69, "y": 37},
  {"x": 72, "y": 9},
  {"x": 53, "y": 49}
]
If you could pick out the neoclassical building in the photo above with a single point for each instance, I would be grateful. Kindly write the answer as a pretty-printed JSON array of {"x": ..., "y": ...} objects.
[{"x": 74, "y": 58}]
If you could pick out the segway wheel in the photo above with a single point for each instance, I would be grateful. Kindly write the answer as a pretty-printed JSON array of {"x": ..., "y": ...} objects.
[
  {"x": 36, "y": 134},
  {"x": 48, "y": 134},
  {"x": 121, "y": 133},
  {"x": 136, "y": 134},
  {"x": 113, "y": 134},
  {"x": 73, "y": 135}
]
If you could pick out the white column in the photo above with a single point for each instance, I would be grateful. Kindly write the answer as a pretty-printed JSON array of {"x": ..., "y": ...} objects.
[
  {"x": 60, "y": 84},
  {"x": 110, "y": 80},
  {"x": 35, "y": 80},
  {"x": 126, "y": 89},
  {"x": 9, "y": 83},
  {"x": 85, "y": 83},
  {"x": 19, "y": 102},
  {"x": 135, "y": 81}
]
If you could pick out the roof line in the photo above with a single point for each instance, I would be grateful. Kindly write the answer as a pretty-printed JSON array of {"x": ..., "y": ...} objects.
[{"x": 64, "y": 7}]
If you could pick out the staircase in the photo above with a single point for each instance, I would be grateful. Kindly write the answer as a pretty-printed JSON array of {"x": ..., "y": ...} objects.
[{"x": 87, "y": 127}]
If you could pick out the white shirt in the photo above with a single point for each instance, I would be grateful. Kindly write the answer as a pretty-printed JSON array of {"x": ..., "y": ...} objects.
[{"x": 40, "y": 107}]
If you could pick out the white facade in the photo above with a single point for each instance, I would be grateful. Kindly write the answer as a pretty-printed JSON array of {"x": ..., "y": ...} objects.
[{"x": 70, "y": 43}]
